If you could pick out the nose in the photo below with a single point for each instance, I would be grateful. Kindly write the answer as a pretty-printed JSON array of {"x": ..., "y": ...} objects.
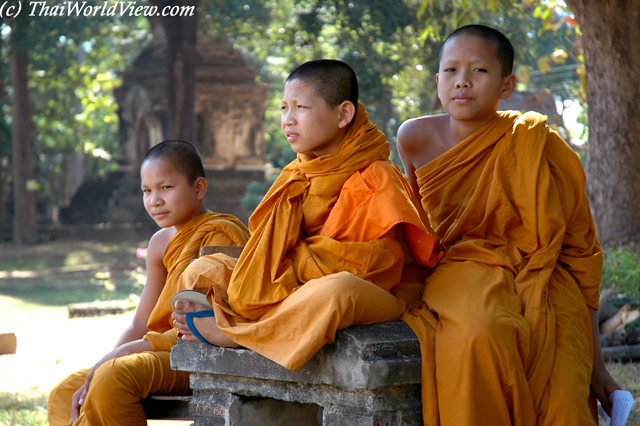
[
  {"x": 288, "y": 117},
  {"x": 463, "y": 80},
  {"x": 155, "y": 200}
]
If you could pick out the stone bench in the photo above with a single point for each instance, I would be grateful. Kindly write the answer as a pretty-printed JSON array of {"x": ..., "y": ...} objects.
[{"x": 370, "y": 376}]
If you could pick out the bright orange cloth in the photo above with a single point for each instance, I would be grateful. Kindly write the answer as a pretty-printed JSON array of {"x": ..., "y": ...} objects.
[
  {"x": 504, "y": 328},
  {"x": 320, "y": 228}
]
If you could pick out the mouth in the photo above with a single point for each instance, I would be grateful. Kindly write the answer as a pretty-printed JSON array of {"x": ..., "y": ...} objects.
[
  {"x": 291, "y": 137},
  {"x": 462, "y": 99},
  {"x": 160, "y": 215}
]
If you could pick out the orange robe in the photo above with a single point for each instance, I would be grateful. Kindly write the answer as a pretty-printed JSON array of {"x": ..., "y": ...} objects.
[
  {"x": 318, "y": 259},
  {"x": 118, "y": 385},
  {"x": 504, "y": 328}
]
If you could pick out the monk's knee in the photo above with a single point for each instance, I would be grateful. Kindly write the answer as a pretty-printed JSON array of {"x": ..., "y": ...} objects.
[
  {"x": 488, "y": 331},
  {"x": 59, "y": 404},
  {"x": 359, "y": 301},
  {"x": 110, "y": 379},
  {"x": 61, "y": 396}
]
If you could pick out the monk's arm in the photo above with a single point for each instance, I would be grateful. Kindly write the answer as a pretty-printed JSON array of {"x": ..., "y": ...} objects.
[
  {"x": 407, "y": 148},
  {"x": 156, "y": 278},
  {"x": 581, "y": 254},
  {"x": 602, "y": 384}
]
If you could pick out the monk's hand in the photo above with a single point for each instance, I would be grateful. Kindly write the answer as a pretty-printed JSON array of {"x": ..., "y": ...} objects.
[
  {"x": 136, "y": 346},
  {"x": 603, "y": 385},
  {"x": 81, "y": 394},
  {"x": 76, "y": 402}
]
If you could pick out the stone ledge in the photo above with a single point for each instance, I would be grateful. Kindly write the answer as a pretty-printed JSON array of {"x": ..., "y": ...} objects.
[
  {"x": 362, "y": 357},
  {"x": 369, "y": 376}
]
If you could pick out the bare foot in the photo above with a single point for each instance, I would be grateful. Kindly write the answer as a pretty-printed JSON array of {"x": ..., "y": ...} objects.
[{"x": 206, "y": 326}]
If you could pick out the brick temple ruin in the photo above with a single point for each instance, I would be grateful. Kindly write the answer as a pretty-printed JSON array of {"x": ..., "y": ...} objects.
[{"x": 229, "y": 110}]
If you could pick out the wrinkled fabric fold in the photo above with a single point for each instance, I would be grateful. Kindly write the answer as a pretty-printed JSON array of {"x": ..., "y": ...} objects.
[{"x": 287, "y": 245}]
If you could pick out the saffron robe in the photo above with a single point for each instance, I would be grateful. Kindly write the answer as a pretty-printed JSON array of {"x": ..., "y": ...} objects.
[
  {"x": 119, "y": 384},
  {"x": 284, "y": 297},
  {"x": 503, "y": 325}
]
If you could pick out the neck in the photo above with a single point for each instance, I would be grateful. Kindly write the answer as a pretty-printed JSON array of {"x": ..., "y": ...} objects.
[{"x": 460, "y": 130}]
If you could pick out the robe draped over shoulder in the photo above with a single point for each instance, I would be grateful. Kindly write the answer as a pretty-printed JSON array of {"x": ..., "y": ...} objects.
[
  {"x": 521, "y": 259},
  {"x": 209, "y": 228},
  {"x": 325, "y": 215}
]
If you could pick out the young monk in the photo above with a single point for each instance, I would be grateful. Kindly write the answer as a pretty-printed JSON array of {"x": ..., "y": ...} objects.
[
  {"x": 507, "y": 324},
  {"x": 336, "y": 241},
  {"x": 173, "y": 187}
]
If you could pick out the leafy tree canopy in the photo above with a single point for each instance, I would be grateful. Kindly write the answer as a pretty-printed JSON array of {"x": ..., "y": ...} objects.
[{"x": 75, "y": 62}]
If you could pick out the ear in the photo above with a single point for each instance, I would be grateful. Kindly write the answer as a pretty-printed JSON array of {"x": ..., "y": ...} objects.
[
  {"x": 200, "y": 186},
  {"x": 509, "y": 87},
  {"x": 347, "y": 111}
]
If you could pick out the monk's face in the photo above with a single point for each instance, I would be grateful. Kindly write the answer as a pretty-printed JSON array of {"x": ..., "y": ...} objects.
[
  {"x": 308, "y": 122},
  {"x": 470, "y": 81},
  {"x": 169, "y": 197}
]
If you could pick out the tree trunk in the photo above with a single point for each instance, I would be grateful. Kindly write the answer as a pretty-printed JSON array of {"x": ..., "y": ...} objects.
[
  {"x": 24, "y": 218},
  {"x": 611, "y": 40},
  {"x": 181, "y": 63},
  {"x": 4, "y": 137}
]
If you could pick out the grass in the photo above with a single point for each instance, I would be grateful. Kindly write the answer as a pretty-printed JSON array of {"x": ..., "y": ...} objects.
[
  {"x": 37, "y": 283},
  {"x": 621, "y": 272},
  {"x": 60, "y": 273}
]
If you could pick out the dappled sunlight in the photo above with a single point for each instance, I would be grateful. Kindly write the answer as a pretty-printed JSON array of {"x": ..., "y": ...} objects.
[{"x": 50, "y": 346}]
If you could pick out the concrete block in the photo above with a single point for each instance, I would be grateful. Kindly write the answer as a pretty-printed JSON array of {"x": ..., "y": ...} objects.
[{"x": 271, "y": 412}]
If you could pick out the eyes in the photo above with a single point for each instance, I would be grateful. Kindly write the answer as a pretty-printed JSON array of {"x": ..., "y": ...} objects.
[
  {"x": 452, "y": 69},
  {"x": 163, "y": 188},
  {"x": 284, "y": 107}
]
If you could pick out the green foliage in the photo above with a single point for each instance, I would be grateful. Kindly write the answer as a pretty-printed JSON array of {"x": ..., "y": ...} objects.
[
  {"x": 24, "y": 409},
  {"x": 254, "y": 194},
  {"x": 103, "y": 279},
  {"x": 392, "y": 47},
  {"x": 71, "y": 272},
  {"x": 621, "y": 272},
  {"x": 73, "y": 68},
  {"x": 79, "y": 257}
]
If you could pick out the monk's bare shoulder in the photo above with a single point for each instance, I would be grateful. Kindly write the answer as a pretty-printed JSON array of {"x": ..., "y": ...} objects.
[
  {"x": 158, "y": 243},
  {"x": 422, "y": 139}
]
